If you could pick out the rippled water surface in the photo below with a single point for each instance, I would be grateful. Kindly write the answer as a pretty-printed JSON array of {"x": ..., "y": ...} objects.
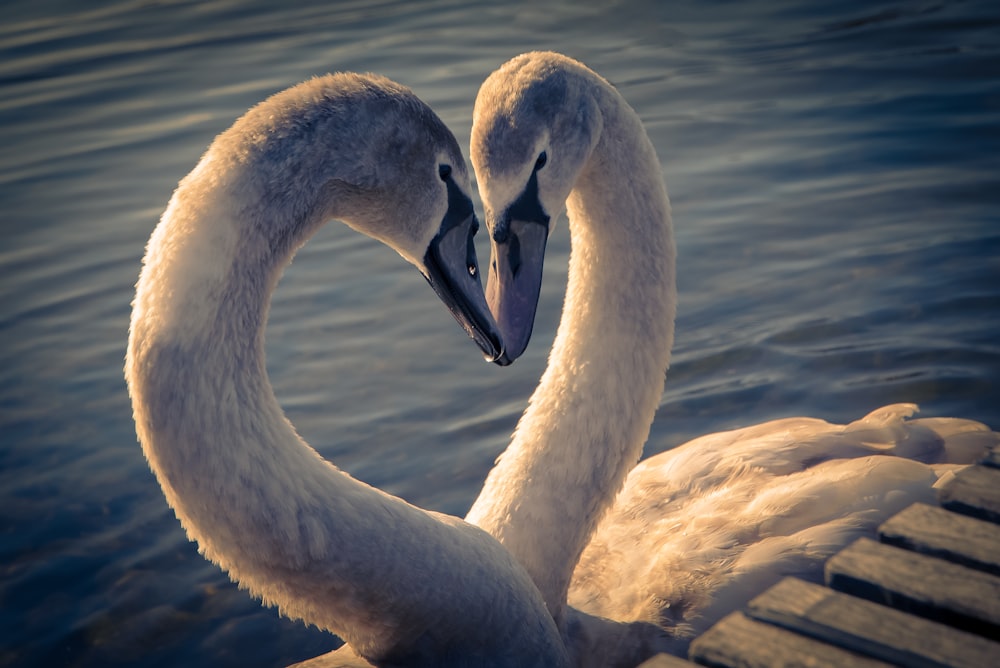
[{"x": 833, "y": 168}]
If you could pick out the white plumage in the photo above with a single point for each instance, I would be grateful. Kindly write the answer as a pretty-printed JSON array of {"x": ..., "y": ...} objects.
[
  {"x": 689, "y": 535},
  {"x": 403, "y": 586},
  {"x": 695, "y": 531}
]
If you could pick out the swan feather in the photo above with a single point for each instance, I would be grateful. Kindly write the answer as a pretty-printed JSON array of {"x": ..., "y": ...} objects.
[{"x": 690, "y": 534}]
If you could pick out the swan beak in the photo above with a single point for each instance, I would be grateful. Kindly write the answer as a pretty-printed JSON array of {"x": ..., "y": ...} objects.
[
  {"x": 452, "y": 269},
  {"x": 518, "y": 250}
]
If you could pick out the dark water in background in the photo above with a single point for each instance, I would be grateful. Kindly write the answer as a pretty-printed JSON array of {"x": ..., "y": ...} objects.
[{"x": 834, "y": 173}]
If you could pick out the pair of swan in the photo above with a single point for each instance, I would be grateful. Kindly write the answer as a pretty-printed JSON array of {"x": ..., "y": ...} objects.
[{"x": 572, "y": 554}]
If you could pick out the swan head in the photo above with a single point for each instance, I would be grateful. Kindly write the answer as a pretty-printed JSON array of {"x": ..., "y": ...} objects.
[
  {"x": 364, "y": 150},
  {"x": 535, "y": 125}
]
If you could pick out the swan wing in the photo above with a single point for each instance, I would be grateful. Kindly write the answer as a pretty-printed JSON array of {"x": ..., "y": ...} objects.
[{"x": 699, "y": 530}]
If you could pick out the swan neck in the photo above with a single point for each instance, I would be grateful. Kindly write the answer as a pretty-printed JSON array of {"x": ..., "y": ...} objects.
[
  {"x": 288, "y": 526},
  {"x": 237, "y": 475},
  {"x": 591, "y": 413}
]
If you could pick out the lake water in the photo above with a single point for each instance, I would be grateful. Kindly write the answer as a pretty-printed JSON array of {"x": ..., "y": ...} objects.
[{"x": 835, "y": 178}]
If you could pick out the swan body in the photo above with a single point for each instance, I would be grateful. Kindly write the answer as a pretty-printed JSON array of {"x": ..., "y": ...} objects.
[
  {"x": 686, "y": 536},
  {"x": 698, "y": 531},
  {"x": 401, "y": 585}
]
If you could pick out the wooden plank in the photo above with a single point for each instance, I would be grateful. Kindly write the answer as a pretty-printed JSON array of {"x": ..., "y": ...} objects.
[
  {"x": 936, "y": 532},
  {"x": 345, "y": 658},
  {"x": 738, "y": 640},
  {"x": 974, "y": 491},
  {"x": 929, "y": 587},
  {"x": 870, "y": 629},
  {"x": 338, "y": 658},
  {"x": 666, "y": 661}
]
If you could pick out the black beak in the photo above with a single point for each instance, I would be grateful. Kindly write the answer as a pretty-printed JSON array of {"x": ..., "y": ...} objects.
[
  {"x": 453, "y": 271},
  {"x": 518, "y": 250}
]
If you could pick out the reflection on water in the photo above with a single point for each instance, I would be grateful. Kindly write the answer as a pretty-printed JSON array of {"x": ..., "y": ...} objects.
[{"x": 833, "y": 173}]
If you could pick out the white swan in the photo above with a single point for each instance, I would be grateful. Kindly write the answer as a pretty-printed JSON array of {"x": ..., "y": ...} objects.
[
  {"x": 401, "y": 585},
  {"x": 699, "y": 529}
]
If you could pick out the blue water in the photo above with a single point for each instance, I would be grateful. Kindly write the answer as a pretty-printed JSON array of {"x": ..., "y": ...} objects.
[{"x": 833, "y": 168}]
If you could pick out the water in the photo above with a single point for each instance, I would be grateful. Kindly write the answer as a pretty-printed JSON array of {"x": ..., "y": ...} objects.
[{"x": 834, "y": 176}]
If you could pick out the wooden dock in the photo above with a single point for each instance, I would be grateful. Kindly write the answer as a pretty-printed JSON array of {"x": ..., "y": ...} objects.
[{"x": 926, "y": 594}]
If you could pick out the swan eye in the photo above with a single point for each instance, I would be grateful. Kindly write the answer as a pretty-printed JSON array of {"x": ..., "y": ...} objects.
[
  {"x": 444, "y": 171},
  {"x": 542, "y": 159}
]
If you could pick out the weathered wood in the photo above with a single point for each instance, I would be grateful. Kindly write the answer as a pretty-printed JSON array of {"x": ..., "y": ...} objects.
[
  {"x": 939, "y": 533},
  {"x": 870, "y": 629},
  {"x": 974, "y": 491},
  {"x": 738, "y": 640},
  {"x": 338, "y": 658},
  {"x": 666, "y": 661},
  {"x": 929, "y": 587}
]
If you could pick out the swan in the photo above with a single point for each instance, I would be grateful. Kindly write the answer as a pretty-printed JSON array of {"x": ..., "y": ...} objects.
[
  {"x": 688, "y": 535},
  {"x": 402, "y": 586}
]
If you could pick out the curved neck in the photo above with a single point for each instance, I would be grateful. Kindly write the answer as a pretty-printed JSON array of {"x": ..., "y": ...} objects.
[
  {"x": 288, "y": 526},
  {"x": 590, "y": 415}
]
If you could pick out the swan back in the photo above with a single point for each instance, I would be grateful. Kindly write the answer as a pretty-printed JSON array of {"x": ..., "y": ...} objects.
[{"x": 699, "y": 530}]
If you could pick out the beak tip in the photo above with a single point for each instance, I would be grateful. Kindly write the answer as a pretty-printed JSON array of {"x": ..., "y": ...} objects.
[{"x": 501, "y": 359}]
